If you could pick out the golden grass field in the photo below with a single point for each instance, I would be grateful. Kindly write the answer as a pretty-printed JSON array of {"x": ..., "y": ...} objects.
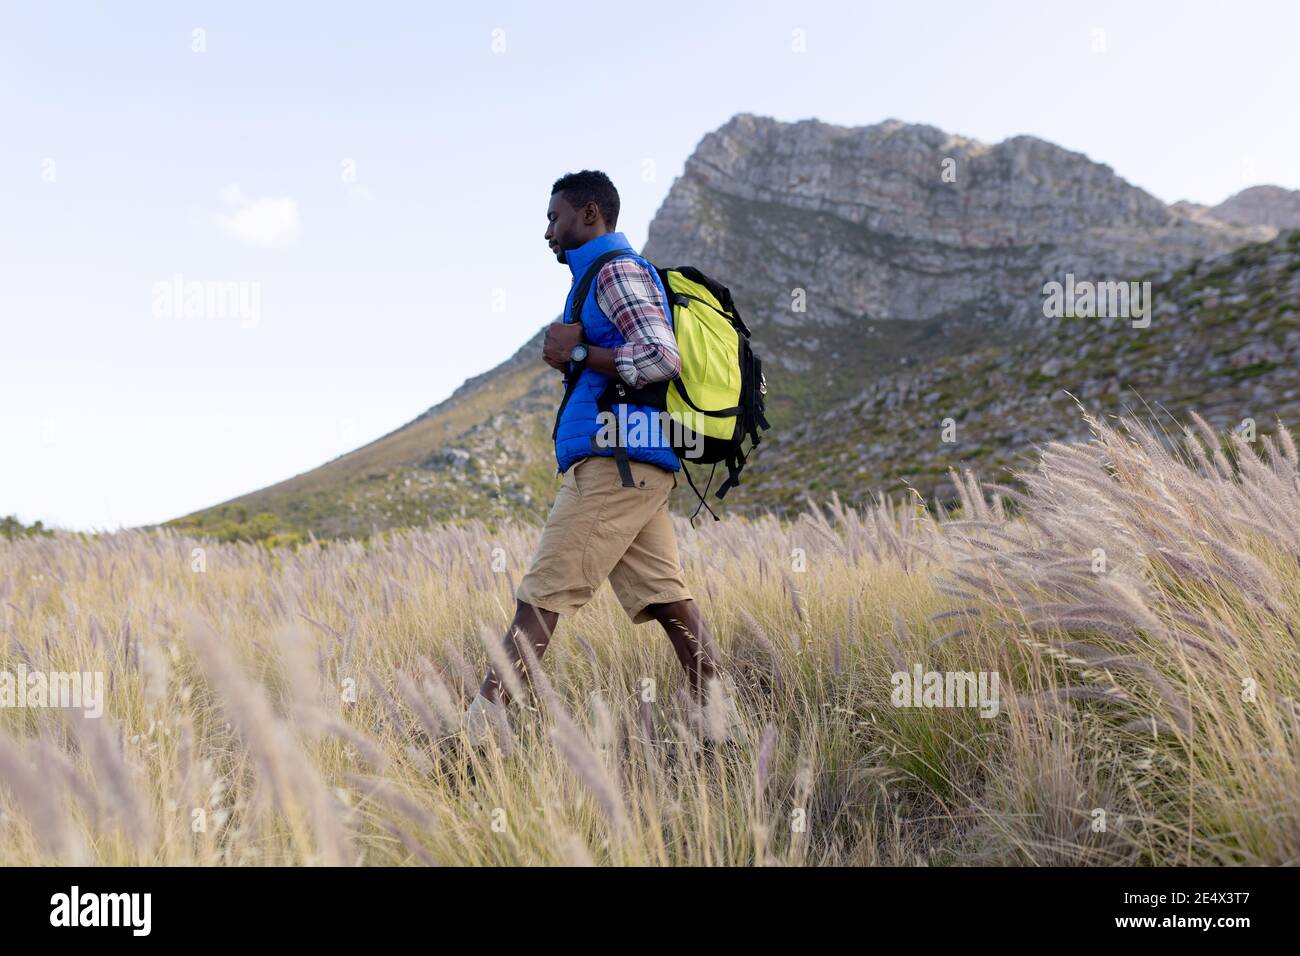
[{"x": 1140, "y": 607}]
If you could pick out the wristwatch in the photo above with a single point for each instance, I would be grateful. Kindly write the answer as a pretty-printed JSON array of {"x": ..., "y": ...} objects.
[{"x": 578, "y": 355}]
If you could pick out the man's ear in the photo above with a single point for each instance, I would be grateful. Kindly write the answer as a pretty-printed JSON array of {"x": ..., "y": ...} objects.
[{"x": 590, "y": 214}]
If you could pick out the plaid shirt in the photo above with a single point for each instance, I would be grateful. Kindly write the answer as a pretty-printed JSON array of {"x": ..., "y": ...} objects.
[{"x": 628, "y": 295}]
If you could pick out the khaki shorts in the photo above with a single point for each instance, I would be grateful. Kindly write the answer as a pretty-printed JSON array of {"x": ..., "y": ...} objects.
[{"x": 599, "y": 529}]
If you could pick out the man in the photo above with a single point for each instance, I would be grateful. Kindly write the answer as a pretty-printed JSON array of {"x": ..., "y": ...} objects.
[{"x": 610, "y": 518}]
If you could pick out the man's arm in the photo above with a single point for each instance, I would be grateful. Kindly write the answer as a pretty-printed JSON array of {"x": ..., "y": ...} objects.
[
  {"x": 626, "y": 292},
  {"x": 628, "y": 295}
]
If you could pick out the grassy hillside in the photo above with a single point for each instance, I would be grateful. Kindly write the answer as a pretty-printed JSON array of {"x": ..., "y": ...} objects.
[
  {"x": 401, "y": 480},
  {"x": 1224, "y": 341},
  {"x": 859, "y": 407}
]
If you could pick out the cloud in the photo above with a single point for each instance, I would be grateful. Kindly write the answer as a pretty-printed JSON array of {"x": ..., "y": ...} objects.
[{"x": 262, "y": 222}]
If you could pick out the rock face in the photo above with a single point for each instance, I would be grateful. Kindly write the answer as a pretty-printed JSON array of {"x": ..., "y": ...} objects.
[
  {"x": 893, "y": 276},
  {"x": 898, "y": 221},
  {"x": 1267, "y": 206}
]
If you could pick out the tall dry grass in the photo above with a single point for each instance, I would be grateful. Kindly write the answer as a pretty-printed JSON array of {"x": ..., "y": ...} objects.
[{"x": 1140, "y": 603}]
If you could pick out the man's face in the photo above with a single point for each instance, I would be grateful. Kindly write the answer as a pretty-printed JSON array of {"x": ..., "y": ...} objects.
[{"x": 565, "y": 226}]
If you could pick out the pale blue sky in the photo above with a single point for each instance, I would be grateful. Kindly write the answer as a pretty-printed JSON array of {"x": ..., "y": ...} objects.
[{"x": 379, "y": 295}]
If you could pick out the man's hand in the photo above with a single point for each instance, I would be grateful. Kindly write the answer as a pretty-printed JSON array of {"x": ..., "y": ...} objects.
[{"x": 561, "y": 337}]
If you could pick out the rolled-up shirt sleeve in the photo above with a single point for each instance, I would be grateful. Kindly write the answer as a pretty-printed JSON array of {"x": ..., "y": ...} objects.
[{"x": 627, "y": 294}]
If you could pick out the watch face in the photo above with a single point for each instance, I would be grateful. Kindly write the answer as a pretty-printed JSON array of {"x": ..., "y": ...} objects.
[{"x": 579, "y": 353}]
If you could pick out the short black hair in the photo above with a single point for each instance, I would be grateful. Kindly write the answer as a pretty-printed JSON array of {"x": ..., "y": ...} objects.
[{"x": 590, "y": 185}]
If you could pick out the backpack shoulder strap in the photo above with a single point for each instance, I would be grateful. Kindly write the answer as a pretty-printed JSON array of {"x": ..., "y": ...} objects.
[
  {"x": 584, "y": 284},
  {"x": 580, "y": 290}
]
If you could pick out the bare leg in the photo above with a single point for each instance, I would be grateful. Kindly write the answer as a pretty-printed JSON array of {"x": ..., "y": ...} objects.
[
  {"x": 690, "y": 637},
  {"x": 532, "y": 624}
]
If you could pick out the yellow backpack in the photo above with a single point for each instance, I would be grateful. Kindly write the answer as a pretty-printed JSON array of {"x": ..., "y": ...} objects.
[{"x": 718, "y": 397}]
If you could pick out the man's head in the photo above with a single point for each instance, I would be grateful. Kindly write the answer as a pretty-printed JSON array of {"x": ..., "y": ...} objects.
[{"x": 583, "y": 206}]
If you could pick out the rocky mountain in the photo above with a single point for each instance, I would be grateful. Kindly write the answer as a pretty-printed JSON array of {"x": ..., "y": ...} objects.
[
  {"x": 898, "y": 221},
  {"x": 1267, "y": 206},
  {"x": 1268, "y": 210},
  {"x": 1223, "y": 341},
  {"x": 869, "y": 262}
]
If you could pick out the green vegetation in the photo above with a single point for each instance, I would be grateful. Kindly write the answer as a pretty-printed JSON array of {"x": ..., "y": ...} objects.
[
  {"x": 231, "y": 523},
  {"x": 1253, "y": 370},
  {"x": 12, "y": 528}
]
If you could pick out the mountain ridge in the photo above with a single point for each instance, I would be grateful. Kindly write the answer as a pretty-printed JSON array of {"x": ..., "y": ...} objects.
[{"x": 898, "y": 269}]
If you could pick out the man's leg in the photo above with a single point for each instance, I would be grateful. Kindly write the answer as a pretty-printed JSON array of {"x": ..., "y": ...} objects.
[
  {"x": 556, "y": 578},
  {"x": 532, "y": 624},
  {"x": 650, "y": 585},
  {"x": 690, "y": 637},
  {"x": 685, "y": 627}
]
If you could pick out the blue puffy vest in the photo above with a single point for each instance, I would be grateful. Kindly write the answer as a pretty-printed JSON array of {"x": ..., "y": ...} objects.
[{"x": 578, "y": 424}]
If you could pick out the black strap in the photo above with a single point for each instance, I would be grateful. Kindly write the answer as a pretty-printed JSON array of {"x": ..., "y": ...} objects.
[
  {"x": 569, "y": 382},
  {"x": 713, "y": 413},
  {"x": 735, "y": 464},
  {"x": 624, "y": 467},
  {"x": 583, "y": 285},
  {"x": 760, "y": 388},
  {"x": 605, "y": 403},
  {"x": 580, "y": 290},
  {"x": 703, "y": 499}
]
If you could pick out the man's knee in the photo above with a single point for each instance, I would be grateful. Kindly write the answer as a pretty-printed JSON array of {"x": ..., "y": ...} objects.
[{"x": 671, "y": 611}]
